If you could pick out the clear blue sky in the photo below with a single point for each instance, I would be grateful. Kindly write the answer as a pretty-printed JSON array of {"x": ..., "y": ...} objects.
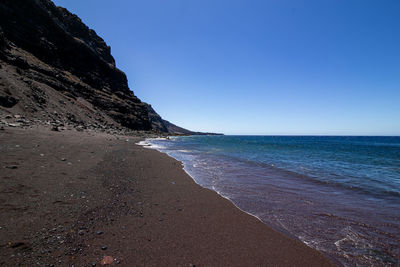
[{"x": 258, "y": 66}]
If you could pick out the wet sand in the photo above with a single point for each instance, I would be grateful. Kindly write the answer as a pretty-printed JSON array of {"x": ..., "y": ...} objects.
[{"x": 71, "y": 198}]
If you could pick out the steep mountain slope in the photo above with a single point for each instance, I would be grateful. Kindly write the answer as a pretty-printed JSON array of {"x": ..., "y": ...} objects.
[{"x": 53, "y": 67}]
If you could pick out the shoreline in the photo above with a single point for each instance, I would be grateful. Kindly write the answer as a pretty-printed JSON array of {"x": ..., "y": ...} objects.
[
  {"x": 148, "y": 146},
  {"x": 334, "y": 220},
  {"x": 283, "y": 231},
  {"x": 93, "y": 194}
]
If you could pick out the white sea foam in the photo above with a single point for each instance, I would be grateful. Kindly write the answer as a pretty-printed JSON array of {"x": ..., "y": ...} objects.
[
  {"x": 147, "y": 143},
  {"x": 143, "y": 143},
  {"x": 185, "y": 151}
]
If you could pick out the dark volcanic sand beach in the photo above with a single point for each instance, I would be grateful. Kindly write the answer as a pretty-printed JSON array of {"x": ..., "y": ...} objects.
[{"x": 71, "y": 198}]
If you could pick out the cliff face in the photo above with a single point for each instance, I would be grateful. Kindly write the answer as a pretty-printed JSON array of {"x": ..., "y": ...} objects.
[
  {"x": 161, "y": 125},
  {"x": 53, "y": 66}
]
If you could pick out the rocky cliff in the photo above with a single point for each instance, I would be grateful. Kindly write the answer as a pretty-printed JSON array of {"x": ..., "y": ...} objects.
[{"x": 54, "y": 68}]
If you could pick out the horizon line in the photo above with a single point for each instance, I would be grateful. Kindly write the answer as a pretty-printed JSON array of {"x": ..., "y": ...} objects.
[{"x": 332, "y": 135}]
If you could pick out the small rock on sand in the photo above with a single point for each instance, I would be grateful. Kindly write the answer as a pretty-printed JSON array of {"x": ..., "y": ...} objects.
[
  {"x": 12, "y": 167},
  {"x": 107, "y": 260}
]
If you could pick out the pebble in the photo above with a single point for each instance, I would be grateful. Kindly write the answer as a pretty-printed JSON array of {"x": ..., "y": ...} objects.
[
  {"x": 107, "y": 260},
  {"x": 12, "y": 167},
  {"x": 79, "y": 128}
]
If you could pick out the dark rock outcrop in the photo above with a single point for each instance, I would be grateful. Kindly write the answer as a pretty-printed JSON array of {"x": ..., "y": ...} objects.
[
  {"x": 53, "y": 66},
  {"x": 165, "y": 126}
]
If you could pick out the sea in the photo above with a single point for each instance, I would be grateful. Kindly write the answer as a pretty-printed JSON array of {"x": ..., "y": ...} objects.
[{"x": 337, "y": 194}]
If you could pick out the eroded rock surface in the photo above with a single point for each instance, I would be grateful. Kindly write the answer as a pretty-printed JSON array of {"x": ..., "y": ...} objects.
[{"x": 53, "y": 67}]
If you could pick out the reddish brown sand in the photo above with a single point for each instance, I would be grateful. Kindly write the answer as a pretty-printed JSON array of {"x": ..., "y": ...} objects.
[{"x": 71, "y": 198}]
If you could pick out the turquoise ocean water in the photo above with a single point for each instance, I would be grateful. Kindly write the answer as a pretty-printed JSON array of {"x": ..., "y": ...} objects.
[{"x": 340, "y": 195}]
